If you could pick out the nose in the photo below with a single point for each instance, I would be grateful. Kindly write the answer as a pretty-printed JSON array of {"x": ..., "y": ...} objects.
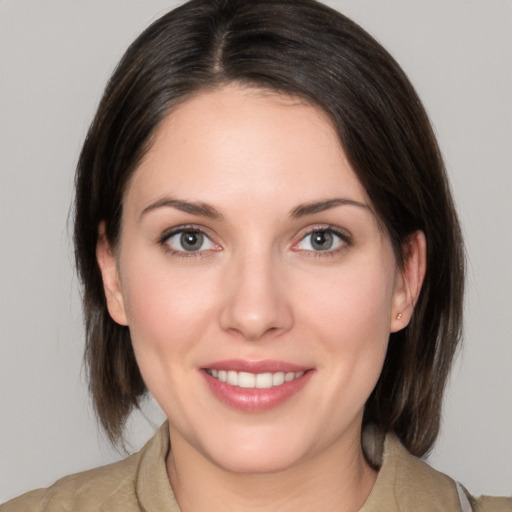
[{"x": 255, "y": 302}]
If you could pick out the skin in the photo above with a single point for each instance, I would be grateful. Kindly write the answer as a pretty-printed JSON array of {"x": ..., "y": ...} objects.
[{"x": 256, "y": 290}]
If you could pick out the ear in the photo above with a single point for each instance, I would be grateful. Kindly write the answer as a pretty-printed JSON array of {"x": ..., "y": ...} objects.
[
  {"x": 409, "y": 280},
  {"x": 110, "y": 275}
]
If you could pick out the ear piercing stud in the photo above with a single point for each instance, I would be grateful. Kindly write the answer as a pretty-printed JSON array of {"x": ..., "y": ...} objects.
[{"x": 399, "y": 316}]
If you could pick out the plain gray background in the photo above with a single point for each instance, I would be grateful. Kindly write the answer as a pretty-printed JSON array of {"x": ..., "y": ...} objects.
[{"x": 55, "y": 57}]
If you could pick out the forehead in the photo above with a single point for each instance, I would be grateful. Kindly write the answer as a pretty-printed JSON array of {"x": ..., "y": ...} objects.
[{"x": 239, "y": 141}]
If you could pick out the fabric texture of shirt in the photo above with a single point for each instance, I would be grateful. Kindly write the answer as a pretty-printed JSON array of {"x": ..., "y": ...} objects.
[{"x": 140, "y": 483}]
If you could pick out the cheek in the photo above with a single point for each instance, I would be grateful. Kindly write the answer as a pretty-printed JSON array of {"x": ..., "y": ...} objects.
[
  {"x": 169, "y": 313},
  {"x": 356, "y": 299},
  {"x": 166, "y": 309},
  {"x": 351, "y": 320}
]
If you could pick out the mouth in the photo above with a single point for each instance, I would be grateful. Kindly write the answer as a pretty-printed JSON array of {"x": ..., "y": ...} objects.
[
  {"x": 255, "y": 386},
  {"x": 249, "y": 380}
]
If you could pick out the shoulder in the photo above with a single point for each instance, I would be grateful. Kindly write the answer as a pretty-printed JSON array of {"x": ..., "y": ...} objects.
[
  {"x": 85, "y": 491},
  {"x": 492, "y": 504},
  {"x": 408, "y": 483},
  {"x": 419, "y": 483},
  {"x": 136, "y": 483}
]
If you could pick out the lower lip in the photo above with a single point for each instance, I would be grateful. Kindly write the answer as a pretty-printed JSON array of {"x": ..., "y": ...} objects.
[{"x": 254, "y": 399}]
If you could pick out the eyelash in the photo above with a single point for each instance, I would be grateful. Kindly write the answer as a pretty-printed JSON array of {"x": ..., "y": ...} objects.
[
  {"x": 344, "y": 238},
  {"x": 167, "y": 235}
]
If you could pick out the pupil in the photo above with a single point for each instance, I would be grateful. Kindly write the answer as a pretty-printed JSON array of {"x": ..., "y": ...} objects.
[
  {"x": 191, "y": 240},
  {"x": 322, "y": 240}
]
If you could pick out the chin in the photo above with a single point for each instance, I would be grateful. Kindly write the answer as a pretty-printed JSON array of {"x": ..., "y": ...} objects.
[
  {"x": 262, "y": 463},
  {"x": 258, "y": 453}
]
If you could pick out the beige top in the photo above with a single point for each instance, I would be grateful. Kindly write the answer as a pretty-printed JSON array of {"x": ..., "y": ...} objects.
[{"x": 140, "y": 483}]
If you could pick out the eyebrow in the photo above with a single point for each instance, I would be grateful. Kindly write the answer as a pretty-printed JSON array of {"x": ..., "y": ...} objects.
[
  {"x": 206, "y": 210},
  {"x": 320, "y": 206},
  {"x": 200, "y": 209}
]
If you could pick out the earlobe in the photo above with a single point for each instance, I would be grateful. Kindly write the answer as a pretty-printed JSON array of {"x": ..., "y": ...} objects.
[
  {"x": 110, "y": 275},
  {"x": 409, "y": 281}
]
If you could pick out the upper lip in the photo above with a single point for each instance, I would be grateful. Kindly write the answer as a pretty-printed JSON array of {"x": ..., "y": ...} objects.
[{"x": 251, "y": 366}]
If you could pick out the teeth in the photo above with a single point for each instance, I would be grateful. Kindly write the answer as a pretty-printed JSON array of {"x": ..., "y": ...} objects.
[
  {"x": 254, "y": 380},
  {"x": 245, "y": 380},
  {"x": 232, "y": 378},
  {"x": 263, "y": 380},
  {"x": 277, "y": 379}
]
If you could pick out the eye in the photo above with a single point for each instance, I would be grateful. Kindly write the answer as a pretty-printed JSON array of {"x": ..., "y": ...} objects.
[
  {"x": 322, "y": 240},
  {"x": 189, "y": 240}
]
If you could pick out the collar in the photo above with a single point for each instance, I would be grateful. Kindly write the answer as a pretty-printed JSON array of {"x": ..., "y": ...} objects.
[
  {"x": 404, "y": 483},
  {"x": 152, "y": 484}
]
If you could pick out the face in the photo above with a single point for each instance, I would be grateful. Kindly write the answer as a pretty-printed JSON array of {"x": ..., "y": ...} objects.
[{"x": 257, "y": 285}]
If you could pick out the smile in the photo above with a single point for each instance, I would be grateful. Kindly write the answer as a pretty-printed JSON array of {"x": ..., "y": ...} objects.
[{"x": 254, "y": 380}]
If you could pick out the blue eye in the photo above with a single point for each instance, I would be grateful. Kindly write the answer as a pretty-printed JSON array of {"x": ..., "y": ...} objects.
[
  {"x": 321, "y": 240},
  {"x": 189, "y": 240}
]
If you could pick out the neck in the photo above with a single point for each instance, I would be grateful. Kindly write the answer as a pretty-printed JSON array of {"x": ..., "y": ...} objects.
[{"x": 337, "y": 479}]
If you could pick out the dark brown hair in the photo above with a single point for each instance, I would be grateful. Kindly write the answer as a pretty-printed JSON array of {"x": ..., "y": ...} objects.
[{"x": 306, "y": 49}]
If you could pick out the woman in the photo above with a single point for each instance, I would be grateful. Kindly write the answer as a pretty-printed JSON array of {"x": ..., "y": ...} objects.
[{"x": 268, "y": 244}]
